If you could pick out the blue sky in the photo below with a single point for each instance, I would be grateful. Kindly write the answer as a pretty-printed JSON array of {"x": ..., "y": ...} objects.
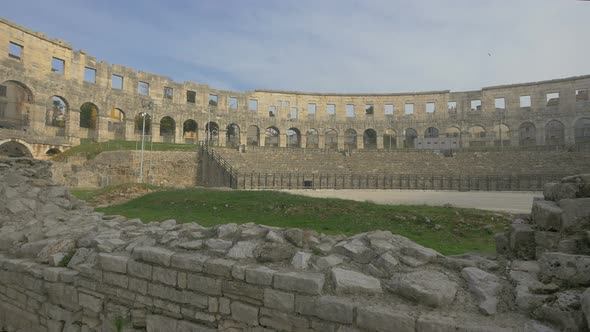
[{"x": 326, "y": 45}]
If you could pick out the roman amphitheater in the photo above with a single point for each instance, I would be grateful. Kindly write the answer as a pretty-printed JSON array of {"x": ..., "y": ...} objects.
[{"x": 65, "y": 267}]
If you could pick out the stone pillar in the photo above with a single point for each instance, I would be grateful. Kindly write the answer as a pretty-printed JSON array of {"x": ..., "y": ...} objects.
[
  {"x": 243, "y": 138},
  {"x": 178, "y": 134},
  {"x": 129, "y": 129},
  {"x": 73, "y": 124},
  {"x": 222, "y": 137},
  {"x": 340, "y": 141},
  {"x": 156, "y": 132},
  {"x": 283, "y": 140},
  {"x": 321, "y": 141},
  {"x": 303, "y": 142},
  {"x": 102, "y": 128},
  {"x": 380, "y": 142}
]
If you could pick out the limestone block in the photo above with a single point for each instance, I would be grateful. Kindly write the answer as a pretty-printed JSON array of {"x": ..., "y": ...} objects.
[
  {"x": 547, "y": 240},
  {"x": 228, "y": 231},
  {"x": 416, "y": 255},
  {"x": 347, "y": 281},
  {"x": 576, "y": 214},
  {"x": 426, "y": 287},
  {"x": 356, "y": 250},
  {"x": 563, "y": 311},
  {"x": 295, "y": 236},
  {"x": 113, "y": 263},
  {"x": 486, "y": 288},
  {"x": 335, "y": 309},
  {"x": 567, "y": 268},
  {"x": 166, "y": 276},
  {"x": 219, "y": 267},
  {"x": 381, "y": 319},
  {"x": 301, "y": 260},
  {"x": 522, "y": 241},
  {"x": 90, "y": 302},
  {"x": 158, "y": 323},
  {"x": 191, "y": 245},
  {"x": 556, "y": 191},
  {"x": 388, "y": 263},
  {"x": 586, "y": 305},
  {"x": 432, "y": 322},
  {"x": 260, "y": 275},
  {"x": 218, "y": 245},
  {"x": 502, "y": 243},
  {"x": 201, "y": 284},
  {"x": 546, "y": 215},
  {"x": 328, "y": 261},
  {"x": 241, "y": 289},
  {"x": 244, "y": 313},
  {"x": 272, "y": 236},
  {"x": 273, "y": 252},
  {"x": 279, "y": 300},
  {"x": 190, "y": 262},
  {"x": 154, "y": 255},
  {"x": 140, "y": 270},
  {"x": 303, "y": 282},
  {"x": 242, "y": 249}
]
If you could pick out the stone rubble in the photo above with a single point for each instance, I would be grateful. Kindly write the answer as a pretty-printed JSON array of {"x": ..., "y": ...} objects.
[{"x": 64, "y": 267}]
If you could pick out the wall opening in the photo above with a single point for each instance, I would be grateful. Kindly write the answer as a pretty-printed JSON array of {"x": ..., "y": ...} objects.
[
  {"x": 582, "y": 95},
  {"x": 52, "y": 152},
  {"x": 350, "y": 139},
  {"x": 331, "y": 109},
  {"x": 388, "y": 109},
  {"x": 410, "y": 136},
  {"x": 272, "y": 111},
  {"x": 168, "y": 92},
  {"x": 89, "y": 75},
  {"x": 527, "y": 134},
  {"x": 212, "y": 132},
  {"x": 582, "y": 131},
  {"x": 253, "y": 105},
  {"x": 476, "y": 105},
  {"x": 233, "y": 103},
  {"x": 409, "y": 108},
  {"x": 15, "y": 99},
  {"x": 552, "y": 99},
  {"x": 139, "y": 124},
  {"x": 253, "y": 136},
  {"x": 213, "y": 100},
  {"x": 15, "y": 50},
  {"x": 369, "y": 109},
  {"x": 167, "y": 129},
  {"x": 272, "y": 137},
  {"x": 191, "y": 97},
  {"x": 293, "y": 114},
  {"x": 525, "y": 102},
  {"x": 312, "y": 139},
  {"x": 311, "y": 109},
  {"x": 370, "y": 139},
  {"x": 143, "y": 88},
  {"x": 500, "y": 103},
  {"x": 293, "y": 138},
  {"x": 350, "y": 111},
  {"x": 14, "y": 149},
  {"x": 554, "y": 133},
  {"x": 452, "y": 106},
  {"x": 430, "y": 107},
  {"x": 58, "y": 66},
  {"x": 56, "y": 114},
  {"x": 331, "y": 139},
  {"x": 431, "y": 132},
  {"x": 88, "y": 116},
  {"x": 116, "y": 123},
  {"x": 117, "y": 82},
  {"x": 389, "y": 139},
  {"x": 190, "y": 130},
  {"x": 232, "y": 135}
]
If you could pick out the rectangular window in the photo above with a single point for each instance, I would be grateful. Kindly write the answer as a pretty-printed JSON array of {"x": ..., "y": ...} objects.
[
  {"x": 525, "y": 101},
  {"x": 57, "y": 66},
  {"x": 213, "y": 100},
  {"x": 409, "y": 108},
  {"x": 287, "y": 103},
  {"x": 168, "y": 92},
  {"x": 2, "y": 90},
  {"x": 582, "y": 95},
  {"x": 388, "y": 109},
  {"x": 500, "y": 103},
  {"x": 191, "y": 96},
  {"x": 430, "y": 107},
  {"x": 279, "y": 103},
  {"x": 350, "y": 111},
  {"x": 293, "y": 114},
  {"x": 233, "y": 103},
  {"x": 452, "y": 105},
  {"x": 117, "y": 82},
  {"x": 553, "y": 99},
  {"x": 476, "y": 105},
  {"x": 143, "y": 88},
  {"x": 311, "y": 108},
  {"x": 331, "y": 109},
  {"x": 89, "y": 75},
  {"x": 253, "y": 105},
  {"x": 369, "y": 109},
  {"x": 15, "y": 50},
  {"x": 272, "y": 111}
]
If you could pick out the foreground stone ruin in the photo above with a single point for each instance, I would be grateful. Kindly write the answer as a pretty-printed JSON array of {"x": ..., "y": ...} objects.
[{"x": 64, "y": 267}]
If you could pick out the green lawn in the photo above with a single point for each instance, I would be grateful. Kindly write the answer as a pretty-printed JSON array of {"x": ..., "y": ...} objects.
[
  {"x": 90, "y": 150},
  {"x": 448, "y": 230}
]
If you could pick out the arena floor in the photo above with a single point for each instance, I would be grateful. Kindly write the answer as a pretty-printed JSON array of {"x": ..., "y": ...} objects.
[{"x": 513, "y": 202}]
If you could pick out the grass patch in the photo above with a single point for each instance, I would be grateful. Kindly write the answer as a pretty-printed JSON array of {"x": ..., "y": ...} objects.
[
  {"x": 448, "y": 230},
  {"x": 90, "y": 150}
]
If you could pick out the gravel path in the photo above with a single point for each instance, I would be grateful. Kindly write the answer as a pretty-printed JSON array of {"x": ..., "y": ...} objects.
[{"x": 508, "y": 201}]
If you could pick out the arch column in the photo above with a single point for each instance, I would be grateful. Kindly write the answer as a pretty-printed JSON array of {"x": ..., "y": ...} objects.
[
  {"x": 221, "y": 137},
  {"x": 156, "y": 131},
  {"x": 178, "y": 137},
  {"x": 244, "y": 137},
  {"x": 321, "y": 141},
  {"x": 360, "y": 140},
  {"x": 283, "y": 139},
  {"x": 340, "y": 141},
  {"x": 379, "y": 142},
  {"x": 129, "y": 128},
  {"x": 303, "y": 141}
]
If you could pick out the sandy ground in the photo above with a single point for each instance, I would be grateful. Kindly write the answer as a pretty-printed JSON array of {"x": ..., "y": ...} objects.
[{"x": 508, "y": 201}]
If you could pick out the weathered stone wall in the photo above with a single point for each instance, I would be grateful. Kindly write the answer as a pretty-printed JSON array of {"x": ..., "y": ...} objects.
[
  {"x": 161, "y": 168},
  {"x": 66, "y": 268},
  {"x": 480, "y": 126}
]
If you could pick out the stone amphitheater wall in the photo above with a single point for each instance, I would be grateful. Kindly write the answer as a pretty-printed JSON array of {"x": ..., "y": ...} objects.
[{"x": 31, "y": 70}]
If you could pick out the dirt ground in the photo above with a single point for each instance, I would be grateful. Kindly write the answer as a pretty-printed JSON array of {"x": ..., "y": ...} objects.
[{"x": 513, "y": 202}]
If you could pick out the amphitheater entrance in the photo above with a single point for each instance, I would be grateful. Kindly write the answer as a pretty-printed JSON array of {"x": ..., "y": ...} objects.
[
  {"x": 88, "y": 120},
  {"x": 370, "y": 139},
  {"x": 190, "y": 128},
  {"x": 14, "y": 149},
  {"x": 232, "y": 135},
  {"x": 527, "y": 134},
  {"x": 350, "y": 139},
  {"x": 313, "y": 139},
  {"x": 331, "y": 138},
  {"x": 389, "y": 139},
  {"x": 56, "y": 115},
  {"x": 212, "y": 131},
  {"x": 582, "y": 131},
  {"x": 554, "y": 133},
  {"x": 272, "y": 137},
  {"x": 253, "y": 136},
  {"x": 410, "y": 136},
  {"x": 501, "y": 135},
  {"x": 15, "y": 99},
  {"x": 293, "y": 138},
  {"x": 167, "y": 129}
]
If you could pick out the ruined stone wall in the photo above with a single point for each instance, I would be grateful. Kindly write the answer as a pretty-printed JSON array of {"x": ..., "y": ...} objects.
[
  {"x": 161, "y": 168},
  {"x": 32, "y": 71},
  {"x": 64, "y": 267}
]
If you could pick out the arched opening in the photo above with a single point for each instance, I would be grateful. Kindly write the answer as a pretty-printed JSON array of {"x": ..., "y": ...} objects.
[
  {"x": 477, "y": 135},
  {"x": 56, "y": 114},
  {"x": 431, "y": 132},
  {"x": 116, "y": 123},
  {"x": 52, "y": 152},
  {"x": 189, "y": 131},
  {"x": 554, "y": 133},
  {"x": 331, "y": 138},
  {"x": 501, "y": 133},
  {"x": 293, "y": 138},
  {"x": 253, "y": 136},
  {"x": 212, "y": 132},
  {"x": 389, "y": 139},
  {"x": 88, "y": 116},
  {"x": 453, "y": 132},
  {"x": 370, "y": 139},
  {"x": 350, "y": 139},
  {"x": 313, "y": 139},
  {"x": 271, "y": 137},
  {"x": 14, "y": 110},
  {"x": 14, "y": 149},
  {"x": 410, "y": 136},
  {"x": 527, "y": 134},
  {"x": 232, "y": 135},
  {"x": 167, "y": 129},
  {"x": 141, "y": 127},
  {"x": 582, "y": 131}
]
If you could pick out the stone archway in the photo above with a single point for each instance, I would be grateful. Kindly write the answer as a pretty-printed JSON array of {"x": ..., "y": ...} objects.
[{"x": 15, "y": 149}]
